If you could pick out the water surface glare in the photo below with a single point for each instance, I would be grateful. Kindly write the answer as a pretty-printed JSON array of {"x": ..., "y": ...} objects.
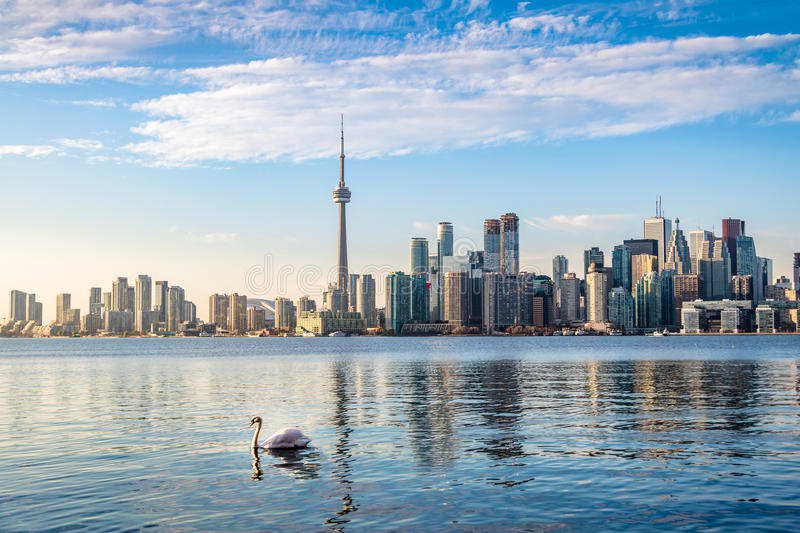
[{"x": 445, "y": 434}]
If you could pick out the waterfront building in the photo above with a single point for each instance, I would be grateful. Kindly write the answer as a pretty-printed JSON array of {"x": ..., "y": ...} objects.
[
  {"x": 696, "y": 239},
  {"x": 526, "y": 286},
  {"x": 144, "y": 293},
  {"x": 327, "y": 322},
  {"x": 668, "y": 298},
  {"x": 175, "y": 299},
  {"x": 398, "y": 301},
  {"x": 285, "y": 314},
  {"x": 592, "y": 255},
  {"x": 91, "y": 324},
  {"x": 500, "y": 301},
  {"x": 678, "y": 257},
  {"x": 341, "y": 197},
  {"x": 444, "y": 252},
  {"x": 570, "y": 298},
  {"x": 18, "y": 302},
  {"x": 72, "y": 317},
  {"x": 189, "y": 311},
  {"x": 641, "y": 264},
  {"x": 765, "y": 319},
  {"x": 620, "y": 308},
  {"x": 509, "y": 244},
  {"x": 730, "y": 319},
  {"x": 659, "y": 229},
  {"x": 647, "y": 301},
  {"x": 764, "y": 270},
  {"x": 796, "y": 271},
  {"x": 731, "y": 229},
  {"x": 304, "y": 303},
  {"x": 747, "y": 264},
  {"x": 544, "y": 290},
  {"x": 335, "y": 299},
  {"x": 218, "y": 310},
  {"x": 119, "y": 294},
  {"x": 352, "y": 287},
  {"x": 37, "y": 313},
  {"x": 237, "y": 313},
  {"x": 161, "y": 299},
  {"x": 434, "y": 280},
  {"x": 456, "y": 301},
  {"x": 256, "y": 319},
  {"x": 597, "y": 288},
  {"x": 560, "y": 267},
  {"x": 106, "y": 301},
  {"x": 420, "y": 303},
  {"x": 118, "y": 321},
  {"x": 491, "y": 245},
  {"x": 713, "y": 266},
  {"x": 621, "y": 267},
  {"x": 693, "y": 320},
  {"x": 641, "y": 246},
  {"x": 147, "y": 321},
  {"x": 63, "y": 304},
  {"x": 30, "y": 306},
  {"x": 686, "y": 288},
  {"x": 742, "y": 286},
  {"x": 419, "y": 255},
  {"x": 130, "y": 301},
  {"x": 365, "y": 300},
  {"x": 96, "y": 306}
]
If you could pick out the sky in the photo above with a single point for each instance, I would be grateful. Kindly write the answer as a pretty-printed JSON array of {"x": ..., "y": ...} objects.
[{"x": 197, "y": 142}]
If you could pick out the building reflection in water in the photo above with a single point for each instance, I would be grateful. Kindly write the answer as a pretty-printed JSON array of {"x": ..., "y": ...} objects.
[{"x": 342, "y": 456}]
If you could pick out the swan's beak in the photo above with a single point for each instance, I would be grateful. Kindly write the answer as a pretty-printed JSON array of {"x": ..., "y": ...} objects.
[{"x": 251, "y": 425}]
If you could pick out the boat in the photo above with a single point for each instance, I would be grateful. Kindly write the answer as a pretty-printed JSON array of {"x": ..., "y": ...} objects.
[
  {"x": 580, "y": 332},
  {"x": 337, "y": 334},
  {"x": 556, "y": 333},
  {"x": 615, "y": 333},
  {"x": 309, "y": 334},
  {"x": 567, "y": 333}
]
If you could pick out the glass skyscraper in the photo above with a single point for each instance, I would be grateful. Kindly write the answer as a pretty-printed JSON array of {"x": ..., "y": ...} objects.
[
  {"x": 491, "y": 245},
  {"x": 509, "y": 244}
]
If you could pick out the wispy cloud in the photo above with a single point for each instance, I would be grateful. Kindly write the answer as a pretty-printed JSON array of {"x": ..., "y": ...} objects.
[
  {"x": 81, "y": 144},
  {"x": 579, "y": 222},
  {"x": 31, "y": 151},
  {"x": 220, "y": 237}
]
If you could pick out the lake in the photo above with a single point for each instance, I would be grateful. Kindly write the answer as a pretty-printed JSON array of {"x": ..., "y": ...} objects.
[{"x": 408, "y": 434}]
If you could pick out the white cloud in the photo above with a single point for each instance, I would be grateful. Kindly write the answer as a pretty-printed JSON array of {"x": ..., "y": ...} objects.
[
  {"x": 81, "y": 144},
  {"x": 579, "y": 222},
  {"x": 421, "y": 226},
  {"x": 219, "y": 237},
  {"x": 32, "y": 151}
]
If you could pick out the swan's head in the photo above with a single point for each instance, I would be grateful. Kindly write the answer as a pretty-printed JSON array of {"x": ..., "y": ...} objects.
[{"x": 255, "y": 420}]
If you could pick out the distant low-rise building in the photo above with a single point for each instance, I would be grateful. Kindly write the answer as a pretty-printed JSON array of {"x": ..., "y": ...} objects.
[{"x": 327, "y": 322}]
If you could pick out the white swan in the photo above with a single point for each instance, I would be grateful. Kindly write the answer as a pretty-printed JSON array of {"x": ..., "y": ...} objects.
[{"x": 285, "y": 438}]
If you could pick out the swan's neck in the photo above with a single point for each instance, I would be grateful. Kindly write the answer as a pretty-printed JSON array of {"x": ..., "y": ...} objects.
[{"x": 255, "y": 435}]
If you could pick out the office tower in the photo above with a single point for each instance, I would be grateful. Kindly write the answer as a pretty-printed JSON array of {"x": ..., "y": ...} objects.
[
  {"x": 730, "y": 319},
  {"x": 641, "y": 246},
  {"x": 285, "y": 314},
  {"x": 544, "y": 291},
  {"x": 161, "y": 299},
  {"x": 647, "y": 301},
  {"x": 509, "y": 244},
  {"x": 696, "y": 239},
  {"x": 500, "y": 301},
  {"x": 420, "y": 305},
  {"x": 456, "y": 301},
  {"x": 63, "y": 304},
  {"x": 678, "y": 257},
  {"x": 256, "y": 319},
  {"x": 667, "y": 298},
  {"x": 237, "y": 312},
  {"x": 621, "y": 267},
  {"x": 620, "y": 308},
  {"x": 304, "y": 303},
  {"x": 419, "y": 256},
  {"x": 189, "y": 311},
  {"x": 742, "y": 286},
  {"x": 686, "y": 288},
  {"x": 642, "y": 264},
  {"x": 592, "y": 255},
  {"x": 341, "y": 196},
  {"x": 748, "y": 265},
  {"x": 560, "y": 267},
  {"x": 765, "y": 270},
  {"x": 596, "y": 294},
  {"x": 217, "y": 310},
  {"x": 18, "y": 302},
  {"x": 491, "y": 245},
  {"x": 732, "y": 228},
  {"x": 444, "y": 252},
  {"x": 365, "y": 299},
  {"x": 796, "y": 271},
  {"x": 130, "y": 300},
  {"x": 765, "y": 319},
  {"x": 174, "y": 305},
  {"x": 526, "y": 286},
  {"x": 570, "y": 297},
  {"x": 351, "y": 291},
  {"x": 713, "y": 266},
  {"x": 444, "y": 240},
  {"x": 659, "y": 229},
  {"x": 144, "y": 290},
  {"x": 119, "y": 294},
  {"x": 398, "y": 301}
]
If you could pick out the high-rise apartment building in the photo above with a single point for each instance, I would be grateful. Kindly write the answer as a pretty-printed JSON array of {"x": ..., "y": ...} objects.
[
  {"x": 491, "y": 245},
  {"x": 444, "y": 239},
  {"x": 678, "y": 257},
  {"x": 304, "y": 303},
  {"x": 175, "y": 310},
  {"x": 189, "y": 311},
  {"x": 18, "y": 306},
  {"x": 131, "y": 299},
  {"x": 285, "y": 314},
  {"x": 560, "y": 267},
  {"x": 398, "y": 301},
  {"x": 686, "y": 288},
  {"x": 161, "y": 297},
  {"x": 365, "y": 300},
  {"x": 237, "y": 312},
  {"x": 620, "y": 308},
  {"x": 218, "y": 310},
  {"x": 642, "y": 264},
  {"x": 351, "y": 291},
  {"x": 256, "y": 319},
  {"x": 596, "y": 294},
  {"x": 420, "y": 303},
  {"x": 570, "y": 297},
  {"x": 621, "y": 267},
  {"x": 456, "y": 298},
  {"x": 593, "y": 255},
  {"x": 509, "y": 244},
  {"x": 63, "y": 304},
  {"x": 96, "y": 303},
  {"x": 419, "y": 256},
  {"x": 732, "y": 228},
  {"x": 119, "y": 294},
  {"x": 647, "y": 301},
  {"x": 500, "y": 301},
  {"x": 144, "y": 293}
]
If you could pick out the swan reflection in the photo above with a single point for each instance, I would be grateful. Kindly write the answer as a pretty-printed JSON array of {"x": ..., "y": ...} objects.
[{"x": 300, "y": 463}]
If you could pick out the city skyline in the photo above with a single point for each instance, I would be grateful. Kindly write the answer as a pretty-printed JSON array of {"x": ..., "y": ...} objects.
[{"x": 197, "y": 155}]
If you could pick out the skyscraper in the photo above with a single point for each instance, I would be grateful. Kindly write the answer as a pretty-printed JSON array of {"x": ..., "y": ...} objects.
[
  {"x": 686, "y": 288},
  {"x": 341, "y": 196},
  {"x": 641, "y": 246},
  {"x": 218, "y": 310},
  {"x": 444, "y": 239},
  {"x": 678, "y": 256},
  {"x": 352, "y": 287},
  {"x": 748, "y": 265},
  {"x": 456, "y": 301},
  {"x": 130, "y": 301},
  {"x": 419, "y": 256},
  {"x": 620, "y": 308},
  {"x": 63, "y": 304},
  {"x": 596, "y": 294},
  {"x": 420, "y": 304},
  {"x": 667, "y": 298},
  {"x": 304, "y": 303},
  {"x": 647, "y": 301},
  {"x": 398, "y": 301},
  {"x": 189, "y": 311},
  {"x": 500, "y": 301},
  {"x": 144, "y": 289},
  {"x": 119, "y": 294},
  {"x": 560, "y": 267},
  {"x": 714, "y": 269},
  {"x": 365, "y": 300},
  {"x": 796, "y": 271},
  {"x": 593, "y": 255},
  {"x": 491, "y": 245},
  {"x": 570, "y": 297},
  {"x": 696, "y": 238},
  {"x": 237, "y": 312},
  {"x": 732, "y": 228},
  {"x": 509, "y": 244},
  {"x": 621, "y": 267},
  {"x": 18, "y": 302},
  {"x": 285, "y": 314},
  {"x": 96, "y": 301},
  {"x": 175, "y": 310},
  {"x": 642, "y": 264},
  {"x": 162, "y": 300},
  {"x": 444, "y": 253},
  {"x": 660, "y": 229}
]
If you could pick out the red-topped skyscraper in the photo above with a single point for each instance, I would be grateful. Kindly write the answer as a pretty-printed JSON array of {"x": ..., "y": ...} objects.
[{"x": 732, "y": 228}]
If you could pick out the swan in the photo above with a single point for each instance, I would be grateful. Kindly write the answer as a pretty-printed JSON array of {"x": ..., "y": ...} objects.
[{"x": 285, "y": 438}]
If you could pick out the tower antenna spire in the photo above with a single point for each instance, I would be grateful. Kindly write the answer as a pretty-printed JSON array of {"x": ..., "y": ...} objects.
[{"x": 341, "y": 151}]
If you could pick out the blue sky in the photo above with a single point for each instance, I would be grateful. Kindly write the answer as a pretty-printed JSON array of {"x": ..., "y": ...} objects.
[{"x": 190, "y": 140}]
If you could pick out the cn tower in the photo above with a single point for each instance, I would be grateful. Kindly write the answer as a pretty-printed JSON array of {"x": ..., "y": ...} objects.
[{"x": 341, "y": 196}]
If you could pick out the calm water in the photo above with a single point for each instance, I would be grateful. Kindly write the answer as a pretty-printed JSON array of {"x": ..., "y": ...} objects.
[{"x": 463, "y": 434}]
